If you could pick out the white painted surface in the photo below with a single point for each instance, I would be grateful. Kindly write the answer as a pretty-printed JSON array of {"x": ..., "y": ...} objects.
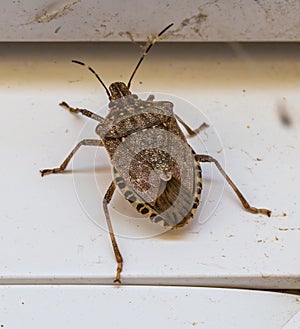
[
  {"x": 147, "y": 307},
  {"x": 96, "y": 20},
  {"x": 48, "y": 237}
]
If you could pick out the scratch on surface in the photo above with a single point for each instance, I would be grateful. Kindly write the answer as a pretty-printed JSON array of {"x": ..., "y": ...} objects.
[
  {"x": 289, "y": 228},
  {"x": 293, "y": 321},
  {"x": 49, "y": 15}
]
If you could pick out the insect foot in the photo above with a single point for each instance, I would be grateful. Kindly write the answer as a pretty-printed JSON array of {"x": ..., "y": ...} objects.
[{"x": 50, "y": 171}]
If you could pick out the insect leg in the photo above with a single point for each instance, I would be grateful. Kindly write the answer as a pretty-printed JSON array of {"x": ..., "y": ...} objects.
[
  {"x": 118, "y": 256},
  {"x": 190, "y": 131},
  {"x": 246, "y": 205},
  {"x": 62, "y": 167},
  {"x": 82, "y": 111}
]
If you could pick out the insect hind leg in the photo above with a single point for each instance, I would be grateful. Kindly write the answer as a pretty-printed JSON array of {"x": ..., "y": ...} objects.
[
  {"x": 246, "y": 205},
  {"x": 118, "y": 256}
]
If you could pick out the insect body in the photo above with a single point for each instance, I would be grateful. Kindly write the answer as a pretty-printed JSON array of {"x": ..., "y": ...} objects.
[
  {"x": 154, "y": 167},
  {"x": 150, "y": 157}
]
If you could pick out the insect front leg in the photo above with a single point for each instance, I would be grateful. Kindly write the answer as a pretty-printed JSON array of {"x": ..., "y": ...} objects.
[
  {"x": 85, "y": 112},
  {"x": 118, "y": 256},
  {"x": 62, "y": 167},
  {"x": 189, "y": 130},
  {"x": 246, "y": 205}
]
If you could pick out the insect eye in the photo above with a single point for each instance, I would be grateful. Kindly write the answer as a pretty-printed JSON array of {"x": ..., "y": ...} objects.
[{"x": 135, "y": 96}]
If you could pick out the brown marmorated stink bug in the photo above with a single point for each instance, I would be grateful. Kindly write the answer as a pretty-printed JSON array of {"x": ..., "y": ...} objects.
[{"x": 154, "y": 167}]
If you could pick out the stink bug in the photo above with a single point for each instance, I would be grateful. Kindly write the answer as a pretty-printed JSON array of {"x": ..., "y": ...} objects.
[{"x": 154, "y": 167}]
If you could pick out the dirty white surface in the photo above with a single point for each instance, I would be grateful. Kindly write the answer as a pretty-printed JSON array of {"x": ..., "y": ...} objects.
[
  {"x": 162, "y": 307},
  {"x": 95, "y": 20},
  {"x": 52, "y": 228}
]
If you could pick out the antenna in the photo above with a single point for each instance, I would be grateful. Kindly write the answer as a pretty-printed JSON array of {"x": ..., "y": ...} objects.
[
  {"x": 92, "y": 70},
  {"x": 146, "y": 52}
]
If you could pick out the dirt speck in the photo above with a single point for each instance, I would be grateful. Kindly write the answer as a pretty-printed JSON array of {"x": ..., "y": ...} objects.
[
  {"x": 284, "y": 214},
  {"x": 57, "y": 29}
]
